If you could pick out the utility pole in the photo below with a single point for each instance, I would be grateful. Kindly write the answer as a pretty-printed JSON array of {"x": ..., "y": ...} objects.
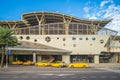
[{"x": 7, "y": 56}]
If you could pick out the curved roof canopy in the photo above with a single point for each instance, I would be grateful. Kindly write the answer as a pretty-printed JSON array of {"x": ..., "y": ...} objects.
[{"x": 34, "y": 18}]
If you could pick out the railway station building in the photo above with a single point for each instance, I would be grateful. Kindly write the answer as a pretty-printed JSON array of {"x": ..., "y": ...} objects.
[{"x": 55, "y": 36}]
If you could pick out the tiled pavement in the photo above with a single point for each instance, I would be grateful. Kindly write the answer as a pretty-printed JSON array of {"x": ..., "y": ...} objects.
[{"x": 49, "y": 73}]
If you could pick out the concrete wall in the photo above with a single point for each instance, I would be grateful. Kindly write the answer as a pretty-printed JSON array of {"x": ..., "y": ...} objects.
[
  {"x": 77, "y": 46},
  {"x": 115, "y": 46}
]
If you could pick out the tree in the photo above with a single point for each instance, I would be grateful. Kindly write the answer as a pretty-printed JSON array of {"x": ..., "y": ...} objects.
[{"x": 6, "y": 39}]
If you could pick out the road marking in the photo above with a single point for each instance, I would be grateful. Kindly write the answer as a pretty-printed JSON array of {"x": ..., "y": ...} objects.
[
  {"x": 34, "y": 77},
  {"x": 24, "y": 77},
  {"x": 54, "y": 71},
  {"x": 16, "y": 77},
  {"x": 63, "y": 74},
  {"x": 54, "y": 77},
  {"x": 62, "y": 77},
  {"x": 103, "y": 76},
  {"x": 84, "y": 77},
  {"x": 43, "y": 77},
  {"x": 110, "y": 70},
  {"x": 73, "y": 77},
  {"x": 93, "y": 77},
  {"x": 114, "y": 77},
  {"x": 46, "y": 74},
  {"x": 3, "y": 77},
  {"x": 55, "y": 74}
]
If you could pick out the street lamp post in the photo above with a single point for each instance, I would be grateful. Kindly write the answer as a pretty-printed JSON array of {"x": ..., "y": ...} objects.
[
  {"x": 7, "y": 56},
  {"x": 6, "y": 60}
]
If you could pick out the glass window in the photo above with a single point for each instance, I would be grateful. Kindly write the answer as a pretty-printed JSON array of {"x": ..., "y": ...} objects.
[
  {"x": 74, "y": 45},
  {"x": 63, "y": 44},
  {"x": 64, "y": 39},
  {"x": 101, "y": 41},
  {"x": 57, "y": 37},
  {"x": 93, "y": 38},
  {"x": 87, "y": 38},
  {"x": 20, "y": 37},
  {"x": 73, "y": 38},
  {"x": 35, "y": 40},
  {"x": 80, "y": 38},
  {"x": 27, "y": 37},
  {"x": 48, "y": 39}
]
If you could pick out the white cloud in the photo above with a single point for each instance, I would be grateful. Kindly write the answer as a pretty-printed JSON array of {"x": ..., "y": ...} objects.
[
  {"x": 115, "y": 24},
  {"x": 86, "y": 9},
  {"x": 104, "y": 2},
  {"x": 93, "y": 17},
  {"x": 110, "y": 11}
]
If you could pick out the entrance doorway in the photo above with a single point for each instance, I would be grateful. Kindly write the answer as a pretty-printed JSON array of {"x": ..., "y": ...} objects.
[
  {"x": 51, "y": 58},
  {"x": 82, "y": 58},
  {"x": 23, "y": 58}
]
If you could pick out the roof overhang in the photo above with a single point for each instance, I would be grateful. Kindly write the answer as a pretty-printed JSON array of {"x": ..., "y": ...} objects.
[
  {"x": 41, "y": 50},
  {"x": 55, "y": 17},
  {"x": 31, "y": 19}
]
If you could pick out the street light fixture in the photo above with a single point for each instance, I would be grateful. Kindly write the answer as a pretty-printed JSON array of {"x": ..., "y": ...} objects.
[{"x": 7, "y": 56}]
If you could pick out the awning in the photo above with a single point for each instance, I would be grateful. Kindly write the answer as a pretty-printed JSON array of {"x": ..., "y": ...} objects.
[
  {"x": 40, "y": 50},
  {"x": 27, "y": 48}
]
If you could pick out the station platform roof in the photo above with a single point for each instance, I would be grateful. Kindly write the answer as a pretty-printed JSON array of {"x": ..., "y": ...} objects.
[{"x": 31, "y": 19}]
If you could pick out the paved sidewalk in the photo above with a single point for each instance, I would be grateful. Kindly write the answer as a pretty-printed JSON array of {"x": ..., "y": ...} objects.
[
  {"x": 110, "y": 70},
  {"x": 105, "y": 65}
]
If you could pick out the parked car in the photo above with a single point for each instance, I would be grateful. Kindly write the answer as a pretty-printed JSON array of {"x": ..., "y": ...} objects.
[
  {"x": 58, "y": 64},
  {"x": 28, "y": 63},
  {"x": 78, "y": 65},
  {"x": 43, "y": 63},
  {"x": 18, "y": 62}
]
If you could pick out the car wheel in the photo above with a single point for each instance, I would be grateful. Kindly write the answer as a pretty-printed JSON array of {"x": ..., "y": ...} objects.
[
  {"x": 60, "y": 67},
  {"x": 84, "y": 66},
  {"x": 72, "y": 66},
  {"x": 43, "y": 65}
]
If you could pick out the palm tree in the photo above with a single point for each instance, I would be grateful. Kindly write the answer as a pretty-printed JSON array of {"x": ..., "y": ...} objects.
[{"x": 6, "y": 39}]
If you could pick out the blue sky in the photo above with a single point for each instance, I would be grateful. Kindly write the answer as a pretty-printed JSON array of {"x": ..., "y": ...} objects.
[{"x": 89, "y": 9}]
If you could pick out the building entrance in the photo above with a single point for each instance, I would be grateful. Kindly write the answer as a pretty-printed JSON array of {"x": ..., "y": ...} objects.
[
  {"x": 109, "y": 58},
  {"x": 23, "y": 58},
  {"x": 51, "y": 58},
  {"x": 82, "y": 58}
]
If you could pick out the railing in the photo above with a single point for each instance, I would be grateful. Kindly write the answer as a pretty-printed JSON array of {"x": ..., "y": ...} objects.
[{"x": 61, "y": 29}]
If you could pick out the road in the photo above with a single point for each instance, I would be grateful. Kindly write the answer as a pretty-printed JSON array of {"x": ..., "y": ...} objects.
[{"x": 50, "y": 73}]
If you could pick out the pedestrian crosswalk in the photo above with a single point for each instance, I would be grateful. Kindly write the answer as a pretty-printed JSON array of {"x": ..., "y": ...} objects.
[
  {"x": 74, "y": 77},
  {"x": 59, "y": 74},
  {"x": 110, "y": 70}
]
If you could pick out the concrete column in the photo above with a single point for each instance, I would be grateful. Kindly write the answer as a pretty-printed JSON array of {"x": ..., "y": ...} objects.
[
  {"x": 39, "y": 58},
  {"x": 34, "y": 57},
  {"x": 66, "y": 58},
  {"x": 43, "y": 32},
  {"x": 10, "y": 59},
  {"x": 96, "y": 59},
  {"x": 116, "y": 57}
]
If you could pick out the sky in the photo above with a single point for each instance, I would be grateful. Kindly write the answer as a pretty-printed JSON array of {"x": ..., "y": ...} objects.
[{"x": 88, "y": 9}]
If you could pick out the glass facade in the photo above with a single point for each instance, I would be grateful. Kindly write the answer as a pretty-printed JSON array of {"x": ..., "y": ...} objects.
[
  {"x": 61, "y": 29},
  {"x": 109, "y": 58},
  {"x": 82, "y": 58},
  {"x": 23, "y": 58}
]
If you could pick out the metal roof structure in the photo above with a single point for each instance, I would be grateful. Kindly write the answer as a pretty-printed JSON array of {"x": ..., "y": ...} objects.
[{"x": 34, "y": 18}]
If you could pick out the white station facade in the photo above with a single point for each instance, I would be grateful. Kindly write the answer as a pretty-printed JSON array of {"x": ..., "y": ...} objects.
[{"x": 54, "y": 36}]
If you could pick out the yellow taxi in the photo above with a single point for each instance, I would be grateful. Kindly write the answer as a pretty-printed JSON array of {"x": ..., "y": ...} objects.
[
  {"x": 78, "y": 65},
  {"x": 18, "y": 62},
  {"x": 28, "y": 63},
  {"x": 58, "y": 64},
  {"x": 43, "y": 63}
]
